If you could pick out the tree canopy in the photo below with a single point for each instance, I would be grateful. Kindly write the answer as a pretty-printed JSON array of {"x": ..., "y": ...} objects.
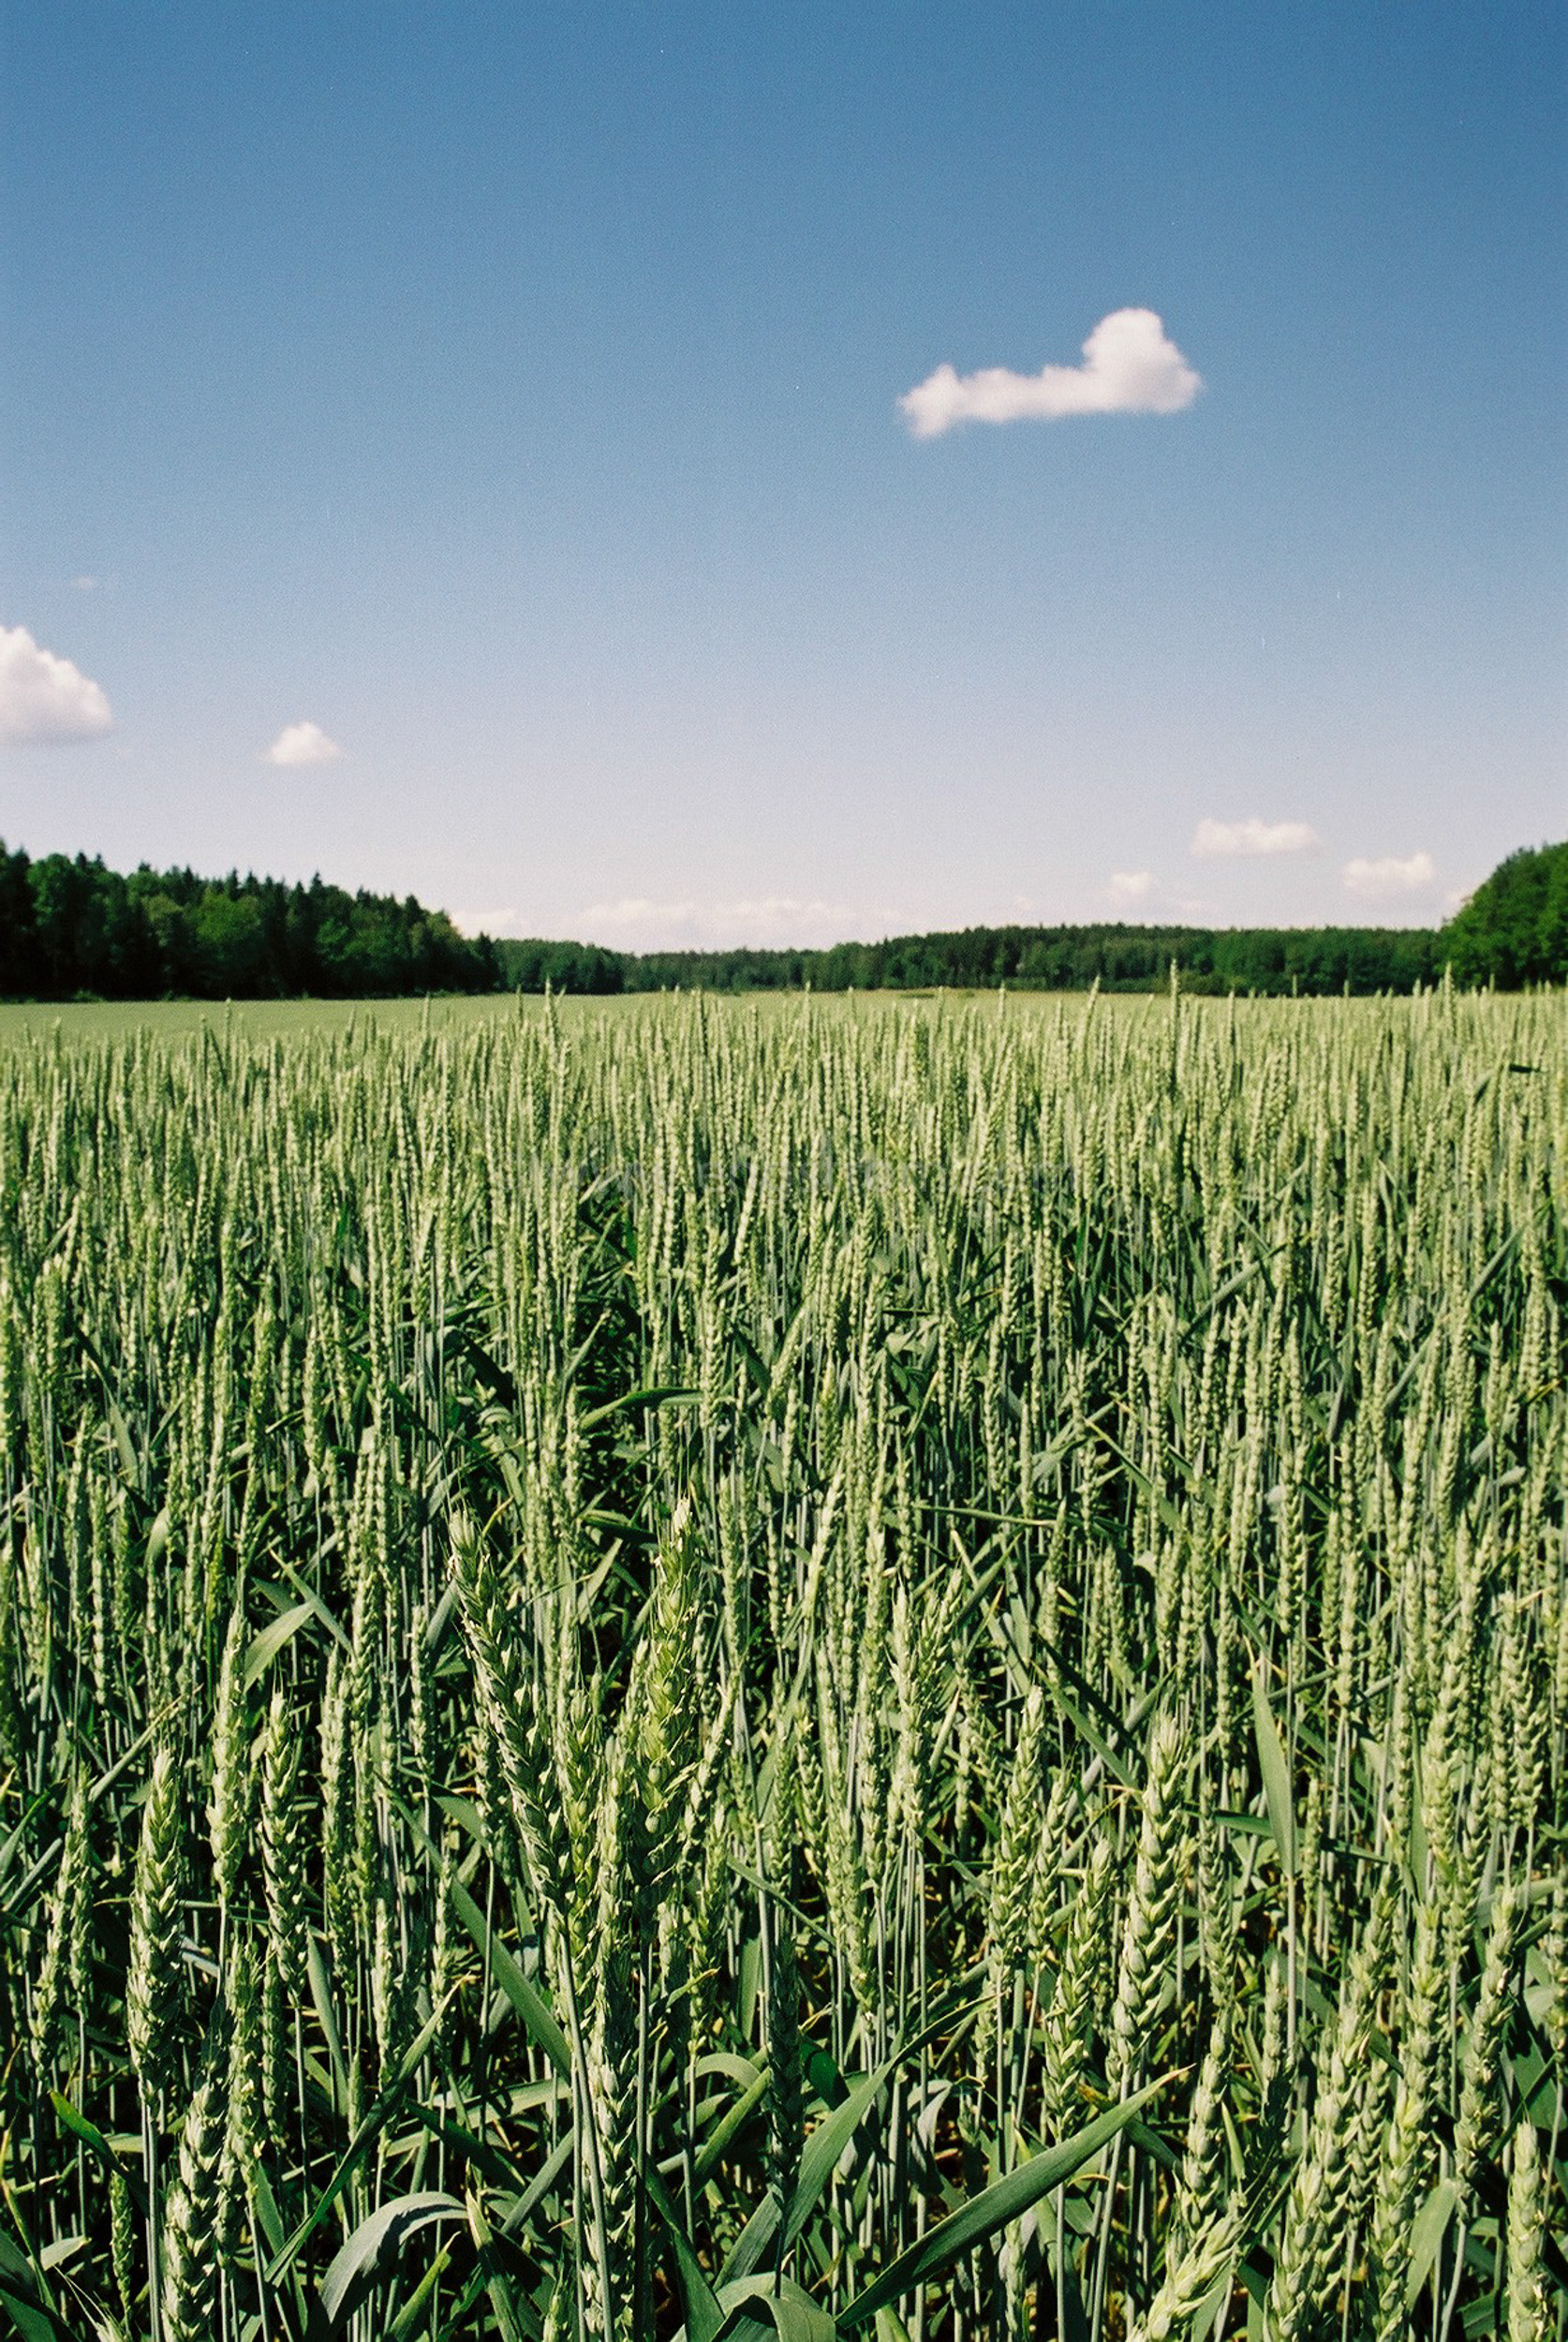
[
  {"x": 1513, "y": 930},
  {"x": 70, "y": 927}
]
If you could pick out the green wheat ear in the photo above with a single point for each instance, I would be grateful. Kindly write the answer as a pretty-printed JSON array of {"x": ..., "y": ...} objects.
[
  {"x": 1526, "y": 2292},
  {"x": 193, "y": 2219},
  {"x": 1150, "y": 1907},
  {"x": 510, "y": 1718},
  {"x": 154, "y": 1995},
  {"x": 228, "y": 1806}
]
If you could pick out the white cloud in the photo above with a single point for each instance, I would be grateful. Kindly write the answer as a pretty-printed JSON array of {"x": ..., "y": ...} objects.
[
  {"x": 1129, "y": 886},
  {"x": 780, "y": 917},
  {"x": 485, "y": 921},
  {"x": 1378, "y": 879},
  {"x": 1131, "y": 367},
  {"x": 44, "y": 697},
  {"x": 638, "y": 923},
  {"x": 638, "y": 914},
  {"x": 1254, "y": 836},
  {"x": 302, "y": 744}
]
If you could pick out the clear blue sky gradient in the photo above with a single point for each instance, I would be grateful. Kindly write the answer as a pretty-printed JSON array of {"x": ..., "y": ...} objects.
[{"x": 511, "y": 391}]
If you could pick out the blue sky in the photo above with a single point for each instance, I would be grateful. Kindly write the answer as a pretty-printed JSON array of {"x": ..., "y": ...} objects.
[{"x": 509, "y": 395}]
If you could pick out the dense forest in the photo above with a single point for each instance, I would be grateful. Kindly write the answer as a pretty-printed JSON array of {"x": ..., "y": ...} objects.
[
  {"x": 1070, "y": 959},
  {"x": 72, "y": 927}
]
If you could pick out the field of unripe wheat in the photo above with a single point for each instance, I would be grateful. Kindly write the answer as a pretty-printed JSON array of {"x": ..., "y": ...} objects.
[{"x": 869, "y": 1669}]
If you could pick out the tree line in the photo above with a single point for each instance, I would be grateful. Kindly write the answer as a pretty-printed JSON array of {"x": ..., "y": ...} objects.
[
  {"x": 71, "y": 927},
  {"x": 1513, "y": 932},
  {"x": 1071, "y": 959}
]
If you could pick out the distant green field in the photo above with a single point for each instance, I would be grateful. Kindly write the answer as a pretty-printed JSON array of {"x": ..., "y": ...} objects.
[
  {"x": 172, "y": 1020},
  {"x": 98, "y": 1019}
]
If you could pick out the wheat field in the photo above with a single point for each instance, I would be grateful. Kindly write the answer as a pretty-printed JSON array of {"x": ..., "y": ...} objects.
[{"x": 891, "y": 1669}]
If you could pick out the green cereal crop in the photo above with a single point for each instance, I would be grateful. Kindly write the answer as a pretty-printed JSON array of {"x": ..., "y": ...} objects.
[{"x": 815, "y": 1668}]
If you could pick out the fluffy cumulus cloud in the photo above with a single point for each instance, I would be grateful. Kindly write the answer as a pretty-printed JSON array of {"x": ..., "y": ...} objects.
[
  {"x": 1378, "y": 881},
  {"x": 44, "y": 697},
  {"x": 1129, "y": 888},
  {"x": 1131, "y": 367},
  {"x": 1252, "y": 836},
  {"x": 302, "y": 744}
]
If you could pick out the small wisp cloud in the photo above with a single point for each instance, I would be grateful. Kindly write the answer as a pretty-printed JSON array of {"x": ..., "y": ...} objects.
[
  {"x": 302, "y": 744},
  {"x": 1244, "y": 839},
  {"x": 44, "y": 699},
  {"x": 1376, "y": 880},
  {"x": 1129, "y": 887},
  {"x": 1131, "y": 367},
  {"x": 502, "y": 920},
  {"x": 638, "y": 923}
]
